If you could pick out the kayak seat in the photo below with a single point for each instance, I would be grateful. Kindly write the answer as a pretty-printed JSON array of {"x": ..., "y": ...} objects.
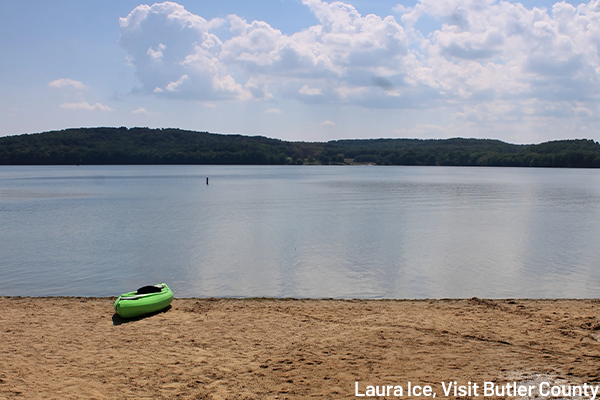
[{"x": 149, "y": 289}]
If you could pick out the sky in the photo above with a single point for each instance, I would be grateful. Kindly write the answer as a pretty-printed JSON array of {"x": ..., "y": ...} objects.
[{"x": 305, "y": 70}]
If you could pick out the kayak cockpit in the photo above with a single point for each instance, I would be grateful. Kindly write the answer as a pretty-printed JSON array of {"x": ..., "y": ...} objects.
[{"x": 145, "y": 300}]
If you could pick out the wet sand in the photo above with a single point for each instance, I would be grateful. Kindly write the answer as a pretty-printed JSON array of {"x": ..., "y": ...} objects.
[{"x": 77, "y": 348}]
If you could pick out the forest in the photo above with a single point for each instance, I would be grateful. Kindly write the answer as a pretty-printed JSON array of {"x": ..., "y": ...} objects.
[{"x": 102, "y": 146}]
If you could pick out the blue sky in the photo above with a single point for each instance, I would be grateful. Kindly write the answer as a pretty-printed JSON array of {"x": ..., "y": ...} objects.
[{"x": 305, "y": 69}]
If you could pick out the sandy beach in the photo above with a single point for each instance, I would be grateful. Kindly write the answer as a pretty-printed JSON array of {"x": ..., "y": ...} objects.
[{"x": 77, "y": 348}]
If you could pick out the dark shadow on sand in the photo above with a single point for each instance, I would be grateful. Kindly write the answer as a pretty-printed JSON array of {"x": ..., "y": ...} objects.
[{"x": 118, "y": 320}]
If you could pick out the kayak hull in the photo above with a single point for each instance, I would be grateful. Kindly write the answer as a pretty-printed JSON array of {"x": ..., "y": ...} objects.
[{"x": 134, "y": 304}]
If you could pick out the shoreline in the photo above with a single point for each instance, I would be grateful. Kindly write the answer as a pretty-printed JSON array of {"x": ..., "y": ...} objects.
[
  {"x": 428, "y": 299},
  {"x": 269, "y": 348}
]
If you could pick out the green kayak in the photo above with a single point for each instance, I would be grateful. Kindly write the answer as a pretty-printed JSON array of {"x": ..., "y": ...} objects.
[{"x": 145, "y": 300}]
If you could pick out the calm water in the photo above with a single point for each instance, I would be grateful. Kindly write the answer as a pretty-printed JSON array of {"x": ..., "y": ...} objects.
[{"x": 311, "y": 231}]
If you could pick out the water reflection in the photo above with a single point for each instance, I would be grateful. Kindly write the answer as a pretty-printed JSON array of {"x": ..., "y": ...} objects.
[{"x": 350, "y": 232}]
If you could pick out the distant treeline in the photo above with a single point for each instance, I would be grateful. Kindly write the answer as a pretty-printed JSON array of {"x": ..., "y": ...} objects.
[{"x": 175, "y": 146}]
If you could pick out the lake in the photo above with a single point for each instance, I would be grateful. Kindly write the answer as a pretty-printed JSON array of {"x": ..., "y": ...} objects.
[{"x": 300, "y": 231}]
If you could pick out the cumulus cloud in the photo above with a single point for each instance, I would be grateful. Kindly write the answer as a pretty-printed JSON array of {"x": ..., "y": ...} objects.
[
  {"x": 84, "y": 105},
  {"x": 486, "y": 57},
  {"x": 309, "y": 91},
  {"x": 401, "y": 9},
  {"x": 273, "y": 111},
  {"x": 174, "y": 86},
  {"x": 66, "y": 83},
  {"x": 156, "y": 54},
  {"x": 328, "y": 123},
  {"x": 509, "y": 49},
  {"x": 140, "y": 111},
  {"x": 175, "y": 55}
]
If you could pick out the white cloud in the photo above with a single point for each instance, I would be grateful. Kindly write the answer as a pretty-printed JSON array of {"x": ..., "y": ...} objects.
[
  {"x": 156, "y": 55},
  {"x": 174, "y": 86},
  {"x": 328, "y": 123},
  {"x": 140, "y": 111},
  {"x": 401, "y": 9},
  {"x": 310, "y": 91},
  {"x": 258, "y": 89},
  {"x": 165, "y": 42},
  {"x": 273, "y": 111},
  {"x": 175, "y": 55},
  {"x": 488, "y": 60},
  {"x": 66, "y": 83},
  {"x": 84, "y": 105}
]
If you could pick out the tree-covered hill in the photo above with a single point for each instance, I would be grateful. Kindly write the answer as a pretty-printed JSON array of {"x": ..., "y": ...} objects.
[
  {"x": 175, "y": 146},
  {"x": 144, "y": 146},
  {"x": 580, "y": 153}
]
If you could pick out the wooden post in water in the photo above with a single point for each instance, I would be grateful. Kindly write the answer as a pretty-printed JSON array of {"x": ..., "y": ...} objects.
[{"x": 207, "y": 180}]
